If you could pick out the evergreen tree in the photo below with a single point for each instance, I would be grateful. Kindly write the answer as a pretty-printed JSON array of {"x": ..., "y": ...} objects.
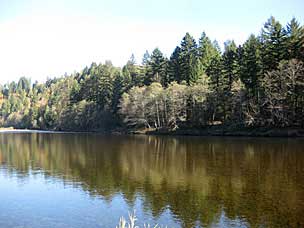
[
  {"x": 104, "y": 87},
  {"x": 134, "y": 71},
  {"x": 119, "y": 87},
  {"x": 274, "y": 47},
  {"x": 230, "y": 64},
  {"x": 145, "y": 68},
  {"x": 295, "y": 40},
  {"x": 189, "y": 60},
  {"x": 157, "y": 68},
  {"x": 127, "y": 76},
  {"x": 207, "y": 51},
  {"x": 174, "y": 66},
  {"x": 146, "y": 58},
  {"x": 251, "y": 65},
  {"x": 24, "y": 84}
]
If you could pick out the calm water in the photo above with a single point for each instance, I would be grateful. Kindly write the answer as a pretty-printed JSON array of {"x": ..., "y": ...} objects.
[{"x": 85, "y": 180}]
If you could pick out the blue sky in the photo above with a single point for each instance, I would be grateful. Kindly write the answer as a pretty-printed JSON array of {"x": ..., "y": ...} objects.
[{"x": 40, "y": 39}]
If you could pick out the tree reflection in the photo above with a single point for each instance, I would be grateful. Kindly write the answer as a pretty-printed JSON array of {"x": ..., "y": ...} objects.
[{"x": 256, "y": 181}]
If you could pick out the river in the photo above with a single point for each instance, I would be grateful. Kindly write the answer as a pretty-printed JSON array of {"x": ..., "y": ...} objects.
[{"x": 91, "y": 180}]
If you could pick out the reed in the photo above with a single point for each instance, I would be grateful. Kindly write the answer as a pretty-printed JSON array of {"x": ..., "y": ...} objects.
[{"x": 123, "y": 223}]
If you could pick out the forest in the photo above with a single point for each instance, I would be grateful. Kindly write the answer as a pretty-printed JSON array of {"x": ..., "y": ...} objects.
[{"x": 257, "y": 84}]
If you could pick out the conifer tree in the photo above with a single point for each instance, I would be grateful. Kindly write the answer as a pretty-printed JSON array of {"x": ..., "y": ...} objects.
[
  {"x": 174, "y": 66},
  {"x": 295, "y": 40},
  {"x": 189, "y": 60},
  {"x": 119, "y": 87},
  {"x": 157, "y": 68},
  {"x": 207, "y": 51},
  {"x": 251, "y": 66},
  {"x": 134, "y": 71},
  {"x": 274, "y": 47},
  {"x": 230, "y": 63}
]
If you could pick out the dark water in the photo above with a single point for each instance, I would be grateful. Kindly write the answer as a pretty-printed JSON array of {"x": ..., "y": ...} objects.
[{"x": 83, "y": 180}]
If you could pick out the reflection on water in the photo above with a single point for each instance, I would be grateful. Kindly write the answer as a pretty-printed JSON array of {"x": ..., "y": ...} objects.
[{"x": 185, "y": 181}]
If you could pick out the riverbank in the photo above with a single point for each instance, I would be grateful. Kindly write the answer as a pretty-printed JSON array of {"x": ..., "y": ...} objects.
[
  {"x": 225, "y": 131},
  {"x": 208, "y": 131},
  {"x": 13, "y": 130}
]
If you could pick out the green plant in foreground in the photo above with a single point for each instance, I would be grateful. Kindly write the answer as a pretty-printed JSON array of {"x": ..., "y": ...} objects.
[{"x": 131, "y": 223}]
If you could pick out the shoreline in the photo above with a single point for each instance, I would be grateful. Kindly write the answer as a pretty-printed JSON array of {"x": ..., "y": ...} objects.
[
  {"x": 38, "y": 131},
  {"x": 209, "y": 131},
  {"x": 246, "y": 132}
]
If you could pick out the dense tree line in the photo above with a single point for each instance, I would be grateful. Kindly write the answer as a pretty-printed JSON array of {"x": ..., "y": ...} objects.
[{"x": 259, "y": 83}]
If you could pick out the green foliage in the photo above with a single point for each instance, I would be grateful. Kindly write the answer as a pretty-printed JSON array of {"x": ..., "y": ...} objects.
[
  {"x": 273, "y": 44},
  {"x": 230, "y": 64},
  {"x": 156, "y": 68},
  {"x": 295, "y": 40},
  {"x": 189, "y": 69},
  {"x": 251, "y": 65},
  {"x": 132, "y": 71},
  {"x": 174, "y": 66},
  {"x": 259, "y": 83},
  {"x": 207, "y": 51}
]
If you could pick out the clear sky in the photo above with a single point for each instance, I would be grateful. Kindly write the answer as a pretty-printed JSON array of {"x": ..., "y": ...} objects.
[{"x": 41, "y": 39}]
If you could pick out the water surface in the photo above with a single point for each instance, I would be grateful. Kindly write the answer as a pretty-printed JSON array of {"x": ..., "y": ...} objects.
[{"x": 87, "y": 180}]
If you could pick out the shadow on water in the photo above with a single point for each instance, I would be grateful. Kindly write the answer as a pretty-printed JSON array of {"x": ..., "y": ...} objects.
[{"x": 201, "y": 181}]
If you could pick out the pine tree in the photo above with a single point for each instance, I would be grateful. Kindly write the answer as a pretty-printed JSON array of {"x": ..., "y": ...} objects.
[
  {"x": 251, "y": 65},
  {"x": 189, "y": 60},
  {"x": 295, "y": 40},
  {"x": 174, "y": 66},
  {"x": 214, "y": 72},
  {"x": 24, "y": 84},
  {"x": 134, "y": 71},
  {"x": 104, "y": 88},
  {"x": 228, "y": 74},
  {"x": 157, "y": 68},
  {"x": 274, "y": 48},
  {"x": 230, "y": 64},
  {"x": 127, "y": 76},
  {"x": 146, "y": 58},
  {"x": 207, "y": 51},
  {"x": 145, "y": 68},
  {"x": 119, "y": 87}
]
